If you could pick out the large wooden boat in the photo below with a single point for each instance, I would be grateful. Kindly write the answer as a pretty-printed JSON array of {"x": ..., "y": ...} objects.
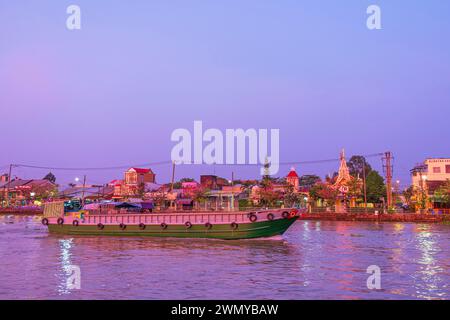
[{"x": 220, "y": 225}]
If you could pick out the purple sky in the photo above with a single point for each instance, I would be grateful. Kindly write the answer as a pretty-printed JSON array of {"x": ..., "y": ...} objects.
[{"x": 111, "y": 93}]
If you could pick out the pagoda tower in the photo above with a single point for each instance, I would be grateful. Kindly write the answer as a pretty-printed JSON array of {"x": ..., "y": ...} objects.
[
  {"x": 342, "y": 183},
  {"x": 292, "y": 179},
  {"x": 343, "y": 173}
]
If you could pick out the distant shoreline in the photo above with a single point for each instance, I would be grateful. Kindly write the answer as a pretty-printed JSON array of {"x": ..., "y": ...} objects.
[
  {"x": 21, "y": 212},
  {"x": 387, "y": 217}
]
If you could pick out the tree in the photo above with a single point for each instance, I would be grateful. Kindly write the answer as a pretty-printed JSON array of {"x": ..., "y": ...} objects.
[
  {"x": 356, "y": 165},
  {"x": 375, "y": 187},
  {"x": 246, "y": 183},
  {"x": 2, "y": 197},
  {"x": 44, "y": 192},
  {"x": 323, "y": 191},
  {"x": 330, "y": 179},
  {"x": 416, "y": 198},
  {"x": 442, "y": 194},
  {"x": 140, "y": 192},
  {"x": 159, "y": 198},
  {"x": 307, "y": 181},
  {"x": 409, "y": 195},
  {"x": 267, "y": 196},
  {"x": 50, "y": 177},
  {"x": 200, "y": 194},
  {"x": 290, "y": 196},
  {"x": 278, "y": 180},
  {"x": 178, "y": 184},
  {"x": 244, "y": 204},
  {"x": 354, "y": 187}
]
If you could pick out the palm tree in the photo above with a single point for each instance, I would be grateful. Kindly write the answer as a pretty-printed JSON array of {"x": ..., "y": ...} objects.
[{"x": 200, "y": 195}]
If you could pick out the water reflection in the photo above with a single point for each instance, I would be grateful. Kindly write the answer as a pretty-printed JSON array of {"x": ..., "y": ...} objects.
[
  {"x": 313, "y": 260},
  {"x": 65, "y": 246},
  {"x": 427, "y": 279}
]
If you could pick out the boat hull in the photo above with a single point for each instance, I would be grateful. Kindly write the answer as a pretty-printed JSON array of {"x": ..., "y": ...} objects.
[{"x": 248, "y": 230}]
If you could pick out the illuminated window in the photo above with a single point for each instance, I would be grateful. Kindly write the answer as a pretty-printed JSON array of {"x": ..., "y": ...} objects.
[
  {"x": 447, "y": 168},
  {"x": 436, "y": 169}
]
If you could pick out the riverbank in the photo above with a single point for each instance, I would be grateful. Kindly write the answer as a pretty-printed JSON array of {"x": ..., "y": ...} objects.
[
  {"x": 395, "y": 217},
  {"x": 22, "y": 211}
]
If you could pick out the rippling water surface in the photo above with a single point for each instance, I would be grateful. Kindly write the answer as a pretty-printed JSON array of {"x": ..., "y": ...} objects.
[{"x": 313, "y": 260}]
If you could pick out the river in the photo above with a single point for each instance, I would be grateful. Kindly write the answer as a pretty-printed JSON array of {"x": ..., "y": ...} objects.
[{"x": 313, "y": 260}]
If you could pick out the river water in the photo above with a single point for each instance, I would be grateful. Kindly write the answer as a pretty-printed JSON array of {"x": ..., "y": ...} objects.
[{"x": 313, "y": 260}]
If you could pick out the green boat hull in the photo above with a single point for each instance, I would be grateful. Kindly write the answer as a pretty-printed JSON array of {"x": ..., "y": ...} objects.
[{"x": 219, "y": 231}]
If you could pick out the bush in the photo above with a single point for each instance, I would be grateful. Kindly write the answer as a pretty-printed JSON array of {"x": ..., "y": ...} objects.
[{"x": 243, "y": 204}]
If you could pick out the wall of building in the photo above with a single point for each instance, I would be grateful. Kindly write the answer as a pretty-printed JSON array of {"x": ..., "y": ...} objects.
[{"x": 438, "y": 169}]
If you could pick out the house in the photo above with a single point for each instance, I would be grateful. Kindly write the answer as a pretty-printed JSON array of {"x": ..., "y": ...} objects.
[
  {"x": 4, "y": 178},
  {"x": 428, "y": 177},
  {"x": 92, "y": 192},
  {"x": 24, "y": 191},
  {"x": 138, "y": 176},
  {"x": 431, "y": 170},
  {"x": 212, "y": 182},
  {"x": 280, "y": 188},
  {"x": 227, "y": 198},
  {"x": 134, "y": 183},
  {"x": 188, "y": 189}
]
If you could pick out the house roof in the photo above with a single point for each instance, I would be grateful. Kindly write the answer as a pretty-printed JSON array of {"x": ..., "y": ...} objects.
[
  {"x": 150, "y": 186},
  {"x": 39, "y": 182},
  {"x": 292, "y": 174},
  {"x": 18, "y": 183},
  {"x": 141, "y": 170},
  {"x": 73, "y": 192}
]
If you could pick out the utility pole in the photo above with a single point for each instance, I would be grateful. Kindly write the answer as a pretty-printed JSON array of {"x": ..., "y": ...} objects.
[
  {"x": 98, "y": 192},
  {"x": 103, "y": 197},
  {"x": 232, "y": 191},
  {"x": 172, "y": 203},
  {"x": 364, "y": 185},
  {"x": 82, "y": 194},
  {"x": 6, "y": 191},
  {"x": 388, "y": 168},
  {"x": 173, "y": 176}
]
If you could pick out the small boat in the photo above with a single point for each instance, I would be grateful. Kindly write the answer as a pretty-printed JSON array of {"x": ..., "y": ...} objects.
[{"x": 192, "y": 224}]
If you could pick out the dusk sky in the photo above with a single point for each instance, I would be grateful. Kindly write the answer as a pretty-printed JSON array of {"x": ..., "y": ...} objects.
[{"x": 111, "y": 93}]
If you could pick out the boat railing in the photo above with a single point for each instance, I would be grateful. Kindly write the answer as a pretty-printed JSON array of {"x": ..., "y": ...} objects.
[{"x": 153, "y": 218}]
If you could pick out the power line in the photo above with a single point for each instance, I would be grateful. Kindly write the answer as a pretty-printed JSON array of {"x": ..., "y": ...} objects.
[
  {"x": 171, "y": 162},
  {"x": 92, "y": 168},
  {"x": 327, "y": 160}
]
